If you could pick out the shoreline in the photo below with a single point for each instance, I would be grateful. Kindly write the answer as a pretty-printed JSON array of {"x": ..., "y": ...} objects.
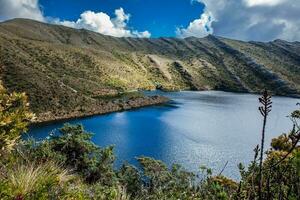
[
  {"x": 108, "y": 108},
  {"x": 119, "y": 106}
]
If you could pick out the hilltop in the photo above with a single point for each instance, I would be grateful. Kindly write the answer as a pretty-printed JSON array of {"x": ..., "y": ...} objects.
[{"x": 71, "y": 72}]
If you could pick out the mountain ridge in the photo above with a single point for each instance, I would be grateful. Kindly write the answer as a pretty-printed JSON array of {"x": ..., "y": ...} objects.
[
  {"x": 22, "y": 20},
  {"x": 62, "y": 69}
]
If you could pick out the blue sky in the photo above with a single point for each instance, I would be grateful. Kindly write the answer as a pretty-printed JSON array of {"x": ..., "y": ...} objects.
[
  {"x": 258, "y": 20},
  {"x": 160, "y": 17}
]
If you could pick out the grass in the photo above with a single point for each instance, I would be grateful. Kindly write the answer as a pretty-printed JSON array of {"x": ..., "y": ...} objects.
[
  {"x": 41, "y": 169},
  {"x": 24, "y": 179}
]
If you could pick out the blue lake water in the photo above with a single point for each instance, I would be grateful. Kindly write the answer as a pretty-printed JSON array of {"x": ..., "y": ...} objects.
[{"x": 196, "y": 128}]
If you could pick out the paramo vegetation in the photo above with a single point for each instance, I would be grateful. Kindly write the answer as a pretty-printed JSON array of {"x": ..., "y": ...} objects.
[{"x": 71, "y": 166}]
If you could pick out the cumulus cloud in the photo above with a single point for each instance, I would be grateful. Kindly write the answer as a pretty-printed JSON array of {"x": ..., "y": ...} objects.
[
  {"x": 263, "y": 2},
  {"x": 96, "y": 21},
  {"x": 102, "y": 23},
  {"x": 261, "y": 20},
  {"x": 197, "y": 28},
  {"x": 30, "y": 9}
]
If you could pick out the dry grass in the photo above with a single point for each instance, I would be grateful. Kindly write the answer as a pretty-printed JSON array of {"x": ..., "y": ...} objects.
[
  {"x": 25, "y": 178},
  {"x": 61, "y": 69}
]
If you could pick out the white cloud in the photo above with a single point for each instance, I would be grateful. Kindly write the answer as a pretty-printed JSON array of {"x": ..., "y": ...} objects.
[
  {"x": 30, "y": 9},
  {"x": 251, "y": 3},
  {"x": 121, "y": 18},
  {"x": 102, "y": 23},
  {"x": 99, "y": 22},
  {"x": 143, "y": 34},
  {"x": 197, "y": 28},
  {"x": 261, "y": 20}
]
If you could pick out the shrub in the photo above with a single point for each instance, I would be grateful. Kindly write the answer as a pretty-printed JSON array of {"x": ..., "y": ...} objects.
[
  {"x": 280, "y": 169},
  {"x": 73, "y": 147},
  {"x": 14, "y": 118},
  {"x": 41, "y": 169}
]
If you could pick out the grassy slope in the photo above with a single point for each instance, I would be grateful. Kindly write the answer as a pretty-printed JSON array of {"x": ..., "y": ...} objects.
[{"x": 66, "y": 69}]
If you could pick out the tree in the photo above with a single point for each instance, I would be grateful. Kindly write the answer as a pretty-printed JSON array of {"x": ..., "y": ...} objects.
[{"x": 14, "y": 118}]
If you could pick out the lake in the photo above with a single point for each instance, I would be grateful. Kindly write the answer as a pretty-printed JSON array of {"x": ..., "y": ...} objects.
[{"x": 195, "y": 128}]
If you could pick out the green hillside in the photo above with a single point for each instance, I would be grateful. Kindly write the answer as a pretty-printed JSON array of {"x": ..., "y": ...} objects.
[{"x": 66, "y": 70}]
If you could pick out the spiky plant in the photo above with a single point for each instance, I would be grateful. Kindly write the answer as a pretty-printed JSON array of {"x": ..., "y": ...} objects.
[{"x": 265, "y": 109}]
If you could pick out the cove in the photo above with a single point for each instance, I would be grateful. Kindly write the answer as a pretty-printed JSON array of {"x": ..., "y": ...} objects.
[{"x": 195, "y": 128}]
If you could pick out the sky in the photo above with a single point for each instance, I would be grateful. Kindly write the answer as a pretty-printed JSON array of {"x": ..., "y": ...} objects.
[{"x": 259, "y": 20}]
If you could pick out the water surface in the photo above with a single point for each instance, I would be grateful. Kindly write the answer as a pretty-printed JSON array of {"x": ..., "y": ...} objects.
[{"x": 196, "y": 128}]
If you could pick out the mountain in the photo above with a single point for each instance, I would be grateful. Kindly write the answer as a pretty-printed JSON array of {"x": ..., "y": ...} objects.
[{"x": 64, "y": 69}]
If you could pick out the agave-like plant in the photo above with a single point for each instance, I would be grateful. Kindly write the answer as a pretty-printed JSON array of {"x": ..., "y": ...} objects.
[{"x": 265, "y": 109}]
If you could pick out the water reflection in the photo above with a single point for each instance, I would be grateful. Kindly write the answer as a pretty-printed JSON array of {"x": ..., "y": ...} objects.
[{"x": 196, "y": 128}]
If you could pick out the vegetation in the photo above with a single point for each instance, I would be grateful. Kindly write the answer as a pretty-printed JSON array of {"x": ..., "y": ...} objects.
[
  {"x": 70, "y": 166},
  {"x": 14, "y": 118},
  {"x": 69, "y": 73}
]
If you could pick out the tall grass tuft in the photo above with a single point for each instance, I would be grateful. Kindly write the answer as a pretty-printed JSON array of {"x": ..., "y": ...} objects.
[{"x": 29, "y": 180}]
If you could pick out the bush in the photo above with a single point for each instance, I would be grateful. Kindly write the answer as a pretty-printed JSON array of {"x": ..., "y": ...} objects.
[
  {"x": 14, "y": 118},
  {"x": 70, "y": 166},
  {"x": 73, "y": 147}
]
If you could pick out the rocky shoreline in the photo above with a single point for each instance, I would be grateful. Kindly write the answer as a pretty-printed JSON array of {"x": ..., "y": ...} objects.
[
  {"x": 115, "y": 105},
  {"x": 108, "y": 107}
]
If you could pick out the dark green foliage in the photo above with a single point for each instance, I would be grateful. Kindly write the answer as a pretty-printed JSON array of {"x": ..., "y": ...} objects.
[
  {"x": 73, "y": 147},
  {"x": 156, "y": 171},
  {"x": 160, "y": 182},
  {"x": 94, "y": 165},
  {"x": 75, "y": 144},
  {"x": 70, "y": 166},
  {"x": 130, "y": 177}
]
